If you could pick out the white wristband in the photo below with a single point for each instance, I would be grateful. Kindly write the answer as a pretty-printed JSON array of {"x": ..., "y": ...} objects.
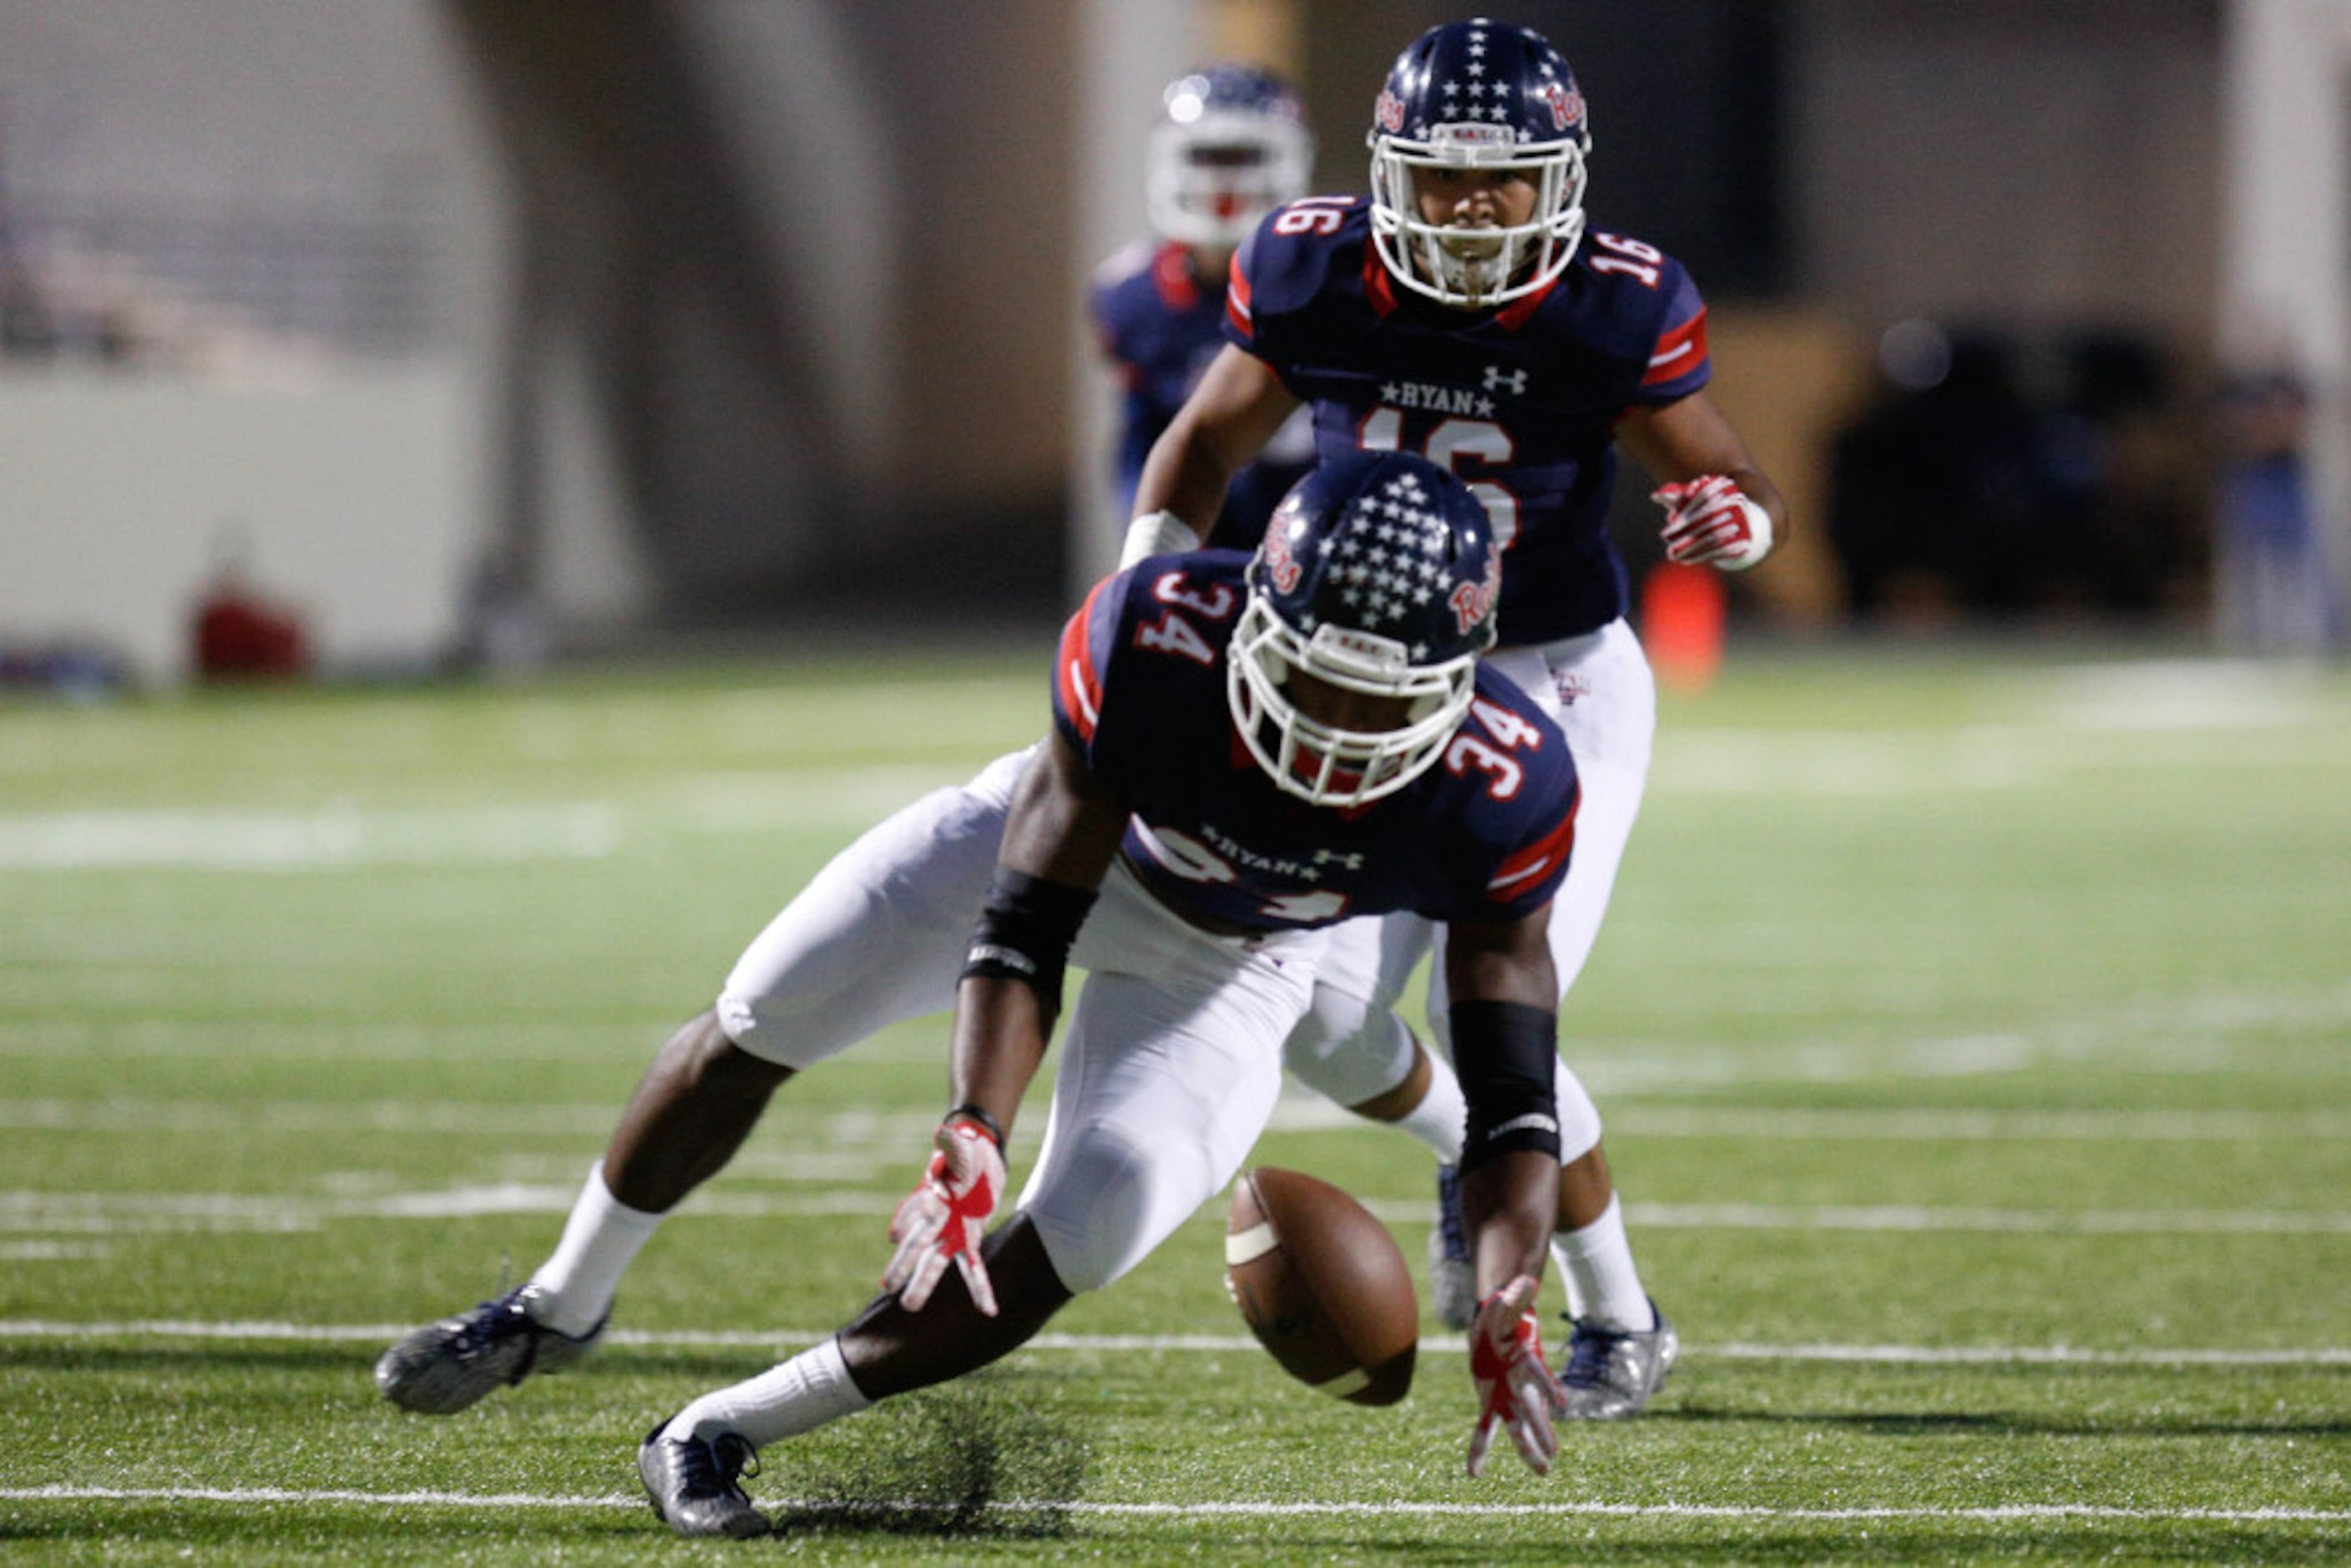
[
  {"x": 1759, "y": 540},
  {"x": 1156, "y": 533}
]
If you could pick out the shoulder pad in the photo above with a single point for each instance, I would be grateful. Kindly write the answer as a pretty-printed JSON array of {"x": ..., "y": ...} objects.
[{"x": 1287, "y": 261}]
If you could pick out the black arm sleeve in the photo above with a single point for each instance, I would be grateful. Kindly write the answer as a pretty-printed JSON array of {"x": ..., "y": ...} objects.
[
  {"x": 1024, "y": 931},
  {"x": 1507, "y": 1057}
]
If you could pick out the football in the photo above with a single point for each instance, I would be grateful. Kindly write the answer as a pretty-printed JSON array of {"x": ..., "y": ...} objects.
[{"x": 1323, "y": 1285}]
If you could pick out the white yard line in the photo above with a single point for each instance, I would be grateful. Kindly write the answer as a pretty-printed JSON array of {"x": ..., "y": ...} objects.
[
  {"x": 1298, "y": 1113},
  {"x": 81, "y": 1214},
  {"x": 348, "y": 833},
  {"x": 335, "y": 835},
  {"x": 1178, "y": 1345},
  {"x": 1219, "y": 1510}
]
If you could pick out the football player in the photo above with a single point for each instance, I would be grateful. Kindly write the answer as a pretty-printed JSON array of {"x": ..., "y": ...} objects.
[
  {"x": 875, "y": 937},
  {"x": 1230, "y": 146},
  {"x": 1383, "y": 766},
  {"x": 1466, "y": 310}
]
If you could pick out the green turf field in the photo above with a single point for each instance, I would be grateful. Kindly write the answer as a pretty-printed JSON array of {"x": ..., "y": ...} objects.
[{"x": 1974, "y": 1029}]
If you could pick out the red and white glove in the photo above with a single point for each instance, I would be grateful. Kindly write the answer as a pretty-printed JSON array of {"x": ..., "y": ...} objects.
[
  {"x": 1710, "y": 519},
  {"x": 1515, "y": 1389},
  {"x": 942, "y": 1221}
]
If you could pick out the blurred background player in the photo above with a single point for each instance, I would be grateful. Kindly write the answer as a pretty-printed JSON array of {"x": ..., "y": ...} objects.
[
  {"x": 1387, "y": 767},
  {"x": 1466, "y": 311},
  {"x": 1231, "y": 145}
]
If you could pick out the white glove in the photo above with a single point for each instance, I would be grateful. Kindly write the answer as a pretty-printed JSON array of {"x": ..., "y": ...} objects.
[
  {"x": 1710, "y": 519},
  {"x": 942, "y": 1221},
  {"x": 1156, "y": 533},
  {"x": 1515, "y": 1389}
]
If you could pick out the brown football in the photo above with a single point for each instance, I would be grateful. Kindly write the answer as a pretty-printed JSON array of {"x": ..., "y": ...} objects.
[{"x": 1323, "y": 1285}]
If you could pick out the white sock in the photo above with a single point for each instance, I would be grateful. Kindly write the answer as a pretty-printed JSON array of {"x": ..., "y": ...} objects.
[
  {"x": 576, "y": 1285},
  {"x": 802, "y": 1395},
  {"x": 1441, "y": 1120},
  {"x": 1603, "y": 1286}
]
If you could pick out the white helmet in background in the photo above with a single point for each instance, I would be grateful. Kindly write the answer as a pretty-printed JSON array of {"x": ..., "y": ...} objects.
[{"x": 1231, "y": 145}]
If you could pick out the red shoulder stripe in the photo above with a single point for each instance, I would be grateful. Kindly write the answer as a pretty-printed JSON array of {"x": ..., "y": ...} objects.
[
  {"x": 1237, "y": 299},
  {"x": 1079, "y": 684},
  {"x": 1540, "y": 859},
  {"x": 1678, "y": 352}
]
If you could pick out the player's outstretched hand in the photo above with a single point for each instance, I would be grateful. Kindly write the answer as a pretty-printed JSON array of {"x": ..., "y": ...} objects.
[
  {"x": 942, "y": 1221},
  {"x": 1515, "y": 1389},
  {"x": 1710, "y": 519}
]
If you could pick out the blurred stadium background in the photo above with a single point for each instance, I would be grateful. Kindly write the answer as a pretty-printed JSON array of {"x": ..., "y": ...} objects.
[
  {"x": 1970, "y": 1031},
  {"x": 490, "y": 332}
]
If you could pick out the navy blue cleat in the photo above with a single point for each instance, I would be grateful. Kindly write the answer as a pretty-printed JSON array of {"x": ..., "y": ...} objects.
[
  {"x": 1609, "y": 1374},
  {"x": 445, "y": 1367}
]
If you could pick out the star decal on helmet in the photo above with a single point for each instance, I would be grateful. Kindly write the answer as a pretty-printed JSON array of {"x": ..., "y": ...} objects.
[{"x": 1391, "y": 555}]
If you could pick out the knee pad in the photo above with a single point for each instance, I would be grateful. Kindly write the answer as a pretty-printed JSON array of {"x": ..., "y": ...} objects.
[
  {"x": 1579, "y": 1118},
  {"x": 1346, "y": 1049}
]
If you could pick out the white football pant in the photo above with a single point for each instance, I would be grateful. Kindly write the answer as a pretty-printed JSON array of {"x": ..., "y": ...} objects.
[
  {"x": 1170, "y": 1060},
  {"x": 879, "y": 935},
  {"x": 1599, "y": 689}
]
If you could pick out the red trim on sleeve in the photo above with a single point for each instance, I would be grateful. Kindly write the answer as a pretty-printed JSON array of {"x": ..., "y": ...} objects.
[
  {"x": 1074, "y": 676},
  {"x": 1537, "y": 860},
  {"x": 1678, "y": 352},
  {"x": 1237, "y": 300}
]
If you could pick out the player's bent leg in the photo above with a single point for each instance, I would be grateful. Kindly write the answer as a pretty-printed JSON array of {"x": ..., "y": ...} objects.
[
  {"x": 891, "y": 1351},
  {"x": 1164, "y": 1083},
  {"x": 1428, "y": 1104},
  {"x": 690, "y": 1113},
  {"x": 695, "y": 1104},
  {"x": 1348, "y": 1045},
  {"x": 1162, "y": 1087},
  {"x": 876, "y": 937},
  {"x": 691, "y": 1110}
]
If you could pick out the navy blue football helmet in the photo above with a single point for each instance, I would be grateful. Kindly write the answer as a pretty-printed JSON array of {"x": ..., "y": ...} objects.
[
  {"x": 1231, "y": 145},
  {"x": 1377, "y": 576},
  {"x": 1479, "y": 95}
]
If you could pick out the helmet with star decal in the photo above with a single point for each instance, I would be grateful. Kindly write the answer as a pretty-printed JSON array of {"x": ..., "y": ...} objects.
[
  {"x": 1479, "y": 96},
  {"x": 1355, "y": 659}
]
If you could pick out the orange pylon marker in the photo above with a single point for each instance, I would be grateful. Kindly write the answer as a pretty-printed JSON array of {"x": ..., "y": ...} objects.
[{"x": 1682, "y": 609}]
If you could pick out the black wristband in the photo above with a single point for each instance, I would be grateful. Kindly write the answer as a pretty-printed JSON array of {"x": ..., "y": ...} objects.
[
  {"x": 1024, "y": 931},
  {"x": 1507, "y": 1056},
  {"x": 971, "y": 1113}
]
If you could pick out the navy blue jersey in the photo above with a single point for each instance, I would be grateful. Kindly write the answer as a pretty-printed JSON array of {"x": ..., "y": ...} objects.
[
  {"x": 1520, "y": 401},
  {"x": 1159, "y": 324},
  {"x": 1139, "y": 690}
]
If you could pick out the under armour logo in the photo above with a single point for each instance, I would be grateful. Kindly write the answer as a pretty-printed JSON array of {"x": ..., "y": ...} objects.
[{"x": 1512, "y": 382}]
